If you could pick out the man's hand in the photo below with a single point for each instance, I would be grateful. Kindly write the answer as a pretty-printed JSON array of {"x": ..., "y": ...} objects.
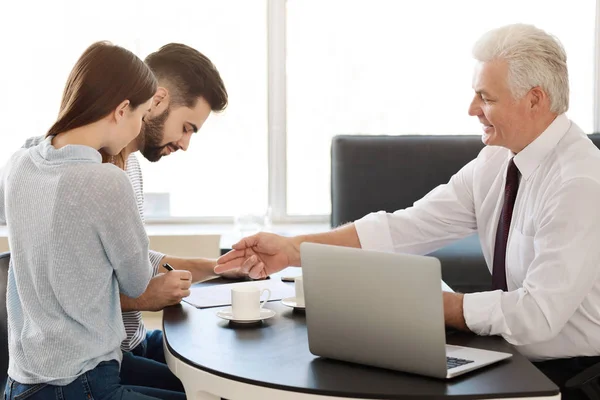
[
  {"x": 163, "y": 290},
  {"x": 260, "y": 255},
  {"x": 234, "y": 274},
  {"x": 174, "y": 286}
]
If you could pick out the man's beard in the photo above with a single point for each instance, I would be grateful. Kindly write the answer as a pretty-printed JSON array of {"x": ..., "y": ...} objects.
[{"x": 151, "y": 136}]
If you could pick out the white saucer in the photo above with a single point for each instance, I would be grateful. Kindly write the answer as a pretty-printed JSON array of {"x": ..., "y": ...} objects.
[
  {"x": 228, "y": 315},
  {"x": 291, "y": 302}
]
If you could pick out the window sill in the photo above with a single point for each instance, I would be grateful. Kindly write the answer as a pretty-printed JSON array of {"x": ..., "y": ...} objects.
[{"x": 229, "y": 234}]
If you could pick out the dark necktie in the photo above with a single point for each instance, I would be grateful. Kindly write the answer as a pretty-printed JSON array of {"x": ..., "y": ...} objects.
[{"x": 510, "y": 195}]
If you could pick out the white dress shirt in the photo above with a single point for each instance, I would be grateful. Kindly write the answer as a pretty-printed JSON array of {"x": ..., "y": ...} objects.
[{"x": 552, "y": 307}]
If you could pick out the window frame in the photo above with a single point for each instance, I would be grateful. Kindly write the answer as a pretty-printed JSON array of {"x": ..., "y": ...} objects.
[{"x": 277, "y": 121}]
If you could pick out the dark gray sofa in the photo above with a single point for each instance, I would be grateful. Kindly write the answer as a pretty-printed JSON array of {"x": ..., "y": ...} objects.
[{"x": 372, "y": 173}]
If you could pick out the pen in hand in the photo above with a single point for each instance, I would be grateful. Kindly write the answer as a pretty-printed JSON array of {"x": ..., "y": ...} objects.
[{"x": 168, "y": 267}]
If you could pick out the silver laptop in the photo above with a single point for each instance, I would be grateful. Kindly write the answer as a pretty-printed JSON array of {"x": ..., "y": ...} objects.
[{"x": 381, "y": 309}]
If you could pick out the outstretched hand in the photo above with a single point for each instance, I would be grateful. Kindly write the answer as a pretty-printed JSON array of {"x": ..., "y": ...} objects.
[{"x": 259, "y": 255}]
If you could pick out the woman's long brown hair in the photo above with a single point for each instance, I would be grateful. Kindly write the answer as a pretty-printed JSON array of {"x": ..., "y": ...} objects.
[{"x": 104, "y": 76}]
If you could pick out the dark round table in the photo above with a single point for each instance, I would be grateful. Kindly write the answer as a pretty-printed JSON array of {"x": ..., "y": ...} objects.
[{"x": 214, "y": 358}]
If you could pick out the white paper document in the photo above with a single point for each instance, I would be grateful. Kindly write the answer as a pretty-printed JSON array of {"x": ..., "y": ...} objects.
[{"x": 446, "y": 288}]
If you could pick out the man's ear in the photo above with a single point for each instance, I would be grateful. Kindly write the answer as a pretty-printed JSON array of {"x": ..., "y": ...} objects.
[
  {"x": 120, "y": 111},
  {"x": 537, "y": 97},
  {"x": 160, "y": 101}
]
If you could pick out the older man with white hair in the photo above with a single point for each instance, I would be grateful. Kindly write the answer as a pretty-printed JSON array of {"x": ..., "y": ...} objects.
[{"x": 532, "y": 195}]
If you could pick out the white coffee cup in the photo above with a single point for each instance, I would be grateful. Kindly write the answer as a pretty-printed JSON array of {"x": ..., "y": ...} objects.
[
  {"x": 299, "y": 287},
  {"x": 245, "y": 301}
]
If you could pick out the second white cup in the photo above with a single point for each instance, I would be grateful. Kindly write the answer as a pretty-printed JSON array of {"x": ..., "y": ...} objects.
[{"x": 245, "y": 301}]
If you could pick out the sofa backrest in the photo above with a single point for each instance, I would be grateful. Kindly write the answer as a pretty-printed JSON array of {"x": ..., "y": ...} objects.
[{"x": 372, "y": 173}]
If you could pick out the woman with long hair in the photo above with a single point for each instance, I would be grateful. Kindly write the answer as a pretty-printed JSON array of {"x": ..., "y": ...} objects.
[{"x": 72, "y": 249}]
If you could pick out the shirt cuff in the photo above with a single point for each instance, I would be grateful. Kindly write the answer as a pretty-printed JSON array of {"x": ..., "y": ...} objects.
[
  {"x": 482, "y": 311},
  {"x": 155, "y": 259},
  {"x": 374, "y": 232}
]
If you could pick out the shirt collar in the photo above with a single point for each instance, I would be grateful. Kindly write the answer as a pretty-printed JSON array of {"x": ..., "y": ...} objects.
[
  {"x": 68, "y": 153},
  {"x": 532, "y": 156}
]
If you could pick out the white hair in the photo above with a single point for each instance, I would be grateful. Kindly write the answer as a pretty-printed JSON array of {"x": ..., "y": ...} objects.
[{"x": 534, "y": 57}]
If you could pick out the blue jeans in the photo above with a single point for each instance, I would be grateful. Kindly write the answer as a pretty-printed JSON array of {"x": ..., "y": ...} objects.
[
  {"x": 100, "y": 383},
  {"x": 145, "y": 366}
]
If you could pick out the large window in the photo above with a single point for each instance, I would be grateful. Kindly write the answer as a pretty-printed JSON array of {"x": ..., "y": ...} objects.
[
  {"x": 224, "y": 172},
  {"x": 398, "y": 67},
  {"x": 346, "y": 67}
]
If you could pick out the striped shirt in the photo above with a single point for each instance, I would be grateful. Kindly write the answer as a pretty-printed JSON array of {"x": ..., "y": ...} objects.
[{"x": 134, "y": 326}]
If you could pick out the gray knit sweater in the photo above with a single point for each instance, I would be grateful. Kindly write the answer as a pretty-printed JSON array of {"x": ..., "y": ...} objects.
[{"x": 76, "y": 241}]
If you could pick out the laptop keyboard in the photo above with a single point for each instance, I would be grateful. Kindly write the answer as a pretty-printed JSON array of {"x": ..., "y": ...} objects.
[{"x": 452, "y": 362}]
